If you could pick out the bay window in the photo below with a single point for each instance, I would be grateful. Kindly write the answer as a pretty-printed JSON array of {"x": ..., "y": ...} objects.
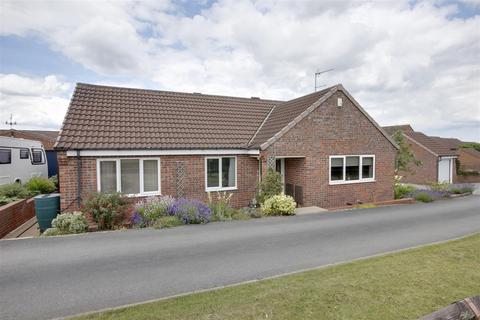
[
  {"x": 130, "y": 176},
  {"x": 352, "y": 169},
  {"x": 220, "y": 173}
]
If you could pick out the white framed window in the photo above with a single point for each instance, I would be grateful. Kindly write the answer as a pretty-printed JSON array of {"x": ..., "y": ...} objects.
[
  {"x": 220, "y": 173},
  {"x": 351, "y": 169},
  {"x": 131, "y": 176}
]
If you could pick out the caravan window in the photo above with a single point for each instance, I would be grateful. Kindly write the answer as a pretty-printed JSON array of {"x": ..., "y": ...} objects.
[
  {"x": 37, "y": 156},
  {"x": 5, "y": 156},
  {"x": 24, "y": 154}
]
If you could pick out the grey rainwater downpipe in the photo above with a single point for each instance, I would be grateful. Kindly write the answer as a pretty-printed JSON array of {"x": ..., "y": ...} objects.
[{"x": 79, "y": 179}]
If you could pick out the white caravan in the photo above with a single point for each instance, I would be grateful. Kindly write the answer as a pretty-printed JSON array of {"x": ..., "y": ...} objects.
[{"x": 21, "y": 159}]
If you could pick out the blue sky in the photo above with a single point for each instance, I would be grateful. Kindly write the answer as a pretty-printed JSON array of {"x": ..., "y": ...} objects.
[{"x": 412, "y": 62}]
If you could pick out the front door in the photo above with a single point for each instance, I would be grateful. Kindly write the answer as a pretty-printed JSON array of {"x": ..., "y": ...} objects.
[{"x": 445, "y": 170}]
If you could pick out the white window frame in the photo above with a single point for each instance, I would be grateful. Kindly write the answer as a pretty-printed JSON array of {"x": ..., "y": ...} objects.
[
  {"x": 119, "y": 178},
  {"x": 360, "y": 173},
  {"x": 220, "y": 188}
]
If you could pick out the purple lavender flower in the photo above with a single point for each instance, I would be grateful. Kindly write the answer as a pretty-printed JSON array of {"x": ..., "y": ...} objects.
[
  {"x": 191, "y": 211},
  {"x": 137, "y": 220}
]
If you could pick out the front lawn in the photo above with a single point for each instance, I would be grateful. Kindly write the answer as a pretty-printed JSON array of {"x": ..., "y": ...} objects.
[{"x": 404, "y": 285}]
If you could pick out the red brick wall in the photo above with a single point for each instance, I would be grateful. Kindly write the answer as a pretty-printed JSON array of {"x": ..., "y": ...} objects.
[
  {"x": 426, "y": 172},
  {"x": 194, "y": 181},
  {"x": 14, "y": 214},
  {"x": 332, "y": 130}
]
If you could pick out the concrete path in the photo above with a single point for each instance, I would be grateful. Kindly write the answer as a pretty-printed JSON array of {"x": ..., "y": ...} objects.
[{"x": 51, "y": 277}]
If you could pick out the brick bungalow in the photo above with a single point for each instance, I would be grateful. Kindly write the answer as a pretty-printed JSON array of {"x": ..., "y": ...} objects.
[
  {"x": 437, "y": 157},
  {"x": 329, "y": 151}
]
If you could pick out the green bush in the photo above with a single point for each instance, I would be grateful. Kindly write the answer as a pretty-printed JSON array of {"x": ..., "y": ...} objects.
[
  {"x": 240, "y": 215},
  {"x": 252, "y": 212},
  {"x": 40, "y": 185},
  {"x": 52, "y": 232},
  {"x": 220, "y": 206},
  {"x": 456, "y": 191},
  {"x": 466, "y": 190},
  {"x": 74, "y": 222},
  {"x": 167, "y": 222},
  {"x": 401, "y": 190},
  {"x": 279, "y": 205},
  {"x": 54, "y": 180},
  {"x": 423, "y": 197},
  {"x": 108, "y": 210},
  {"x": 439, "y": 186},
  {"x": 152, "y": 208},
  {"x": 270, "y": 185},
  {"x": 13, "y": 192}
]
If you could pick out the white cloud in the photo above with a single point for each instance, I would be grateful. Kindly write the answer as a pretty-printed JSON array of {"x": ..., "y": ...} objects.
[
  {"x": 36, "y": 103},
  {"x": 404, "y": 62}
]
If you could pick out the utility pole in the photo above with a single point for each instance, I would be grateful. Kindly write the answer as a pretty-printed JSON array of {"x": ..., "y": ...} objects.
[{"x": 317, "y": 74}]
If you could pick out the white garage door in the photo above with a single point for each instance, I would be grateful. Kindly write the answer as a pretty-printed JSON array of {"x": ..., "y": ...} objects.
[{"x": 445, "y": 170}]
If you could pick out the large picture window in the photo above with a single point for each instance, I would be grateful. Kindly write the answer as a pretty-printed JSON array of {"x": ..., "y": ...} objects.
[
  {"x": 220, "y": 173},
  {"x": 130, "y": 176},
  {"x": 351, "y": 169}
]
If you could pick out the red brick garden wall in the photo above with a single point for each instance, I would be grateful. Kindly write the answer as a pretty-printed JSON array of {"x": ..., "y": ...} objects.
[
  {"x": 14, "y": 214},
  {"x": 194, "y": 178},
  {"x": 332, "y": 130}
]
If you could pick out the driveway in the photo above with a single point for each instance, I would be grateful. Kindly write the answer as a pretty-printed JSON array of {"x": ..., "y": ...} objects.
[{"x": 51, "y": 277}]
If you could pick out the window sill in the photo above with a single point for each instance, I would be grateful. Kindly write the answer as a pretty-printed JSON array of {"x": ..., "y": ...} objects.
[
  {"x": 333, "y": 183},
  {"x": 138, "y": 195},
  {"x": 221, "y": 189}
]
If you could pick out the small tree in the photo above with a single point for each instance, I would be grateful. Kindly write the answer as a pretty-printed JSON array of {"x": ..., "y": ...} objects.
[
  {"x": 270, "y": 185},
  {"x": 405, "y": 156}
]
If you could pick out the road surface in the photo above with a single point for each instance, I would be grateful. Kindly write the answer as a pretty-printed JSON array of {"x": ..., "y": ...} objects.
[{"x": 44, "y": 278}]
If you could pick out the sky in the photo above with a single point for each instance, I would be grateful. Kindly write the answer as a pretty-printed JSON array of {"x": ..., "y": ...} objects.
[{"x": 415, "y": 62}]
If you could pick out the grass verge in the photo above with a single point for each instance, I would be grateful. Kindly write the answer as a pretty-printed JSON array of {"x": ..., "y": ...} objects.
[{"x": 403, "y": 285}]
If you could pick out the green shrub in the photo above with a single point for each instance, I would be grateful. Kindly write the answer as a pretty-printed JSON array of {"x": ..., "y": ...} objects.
[
  {"x": 270, "y": 185},
  {"x": 221, "y": 209},
  {"x": 456, "y": 190},
  {"x": 54, "y": 180},
  {"x": 401, "y": 190},
  {"x": 13, "y": 192},
  {"x": 167, "y": 222},
  {"x": 74, "y": 222},
  {"x": 466, "y": 190},
  {"x": 40, "y": 185},
  {"x": 439, "y": 186},
  {"x": 108, "y": 210},
  {"x": 240, "y": 215},
  {"x": 423, "y": 197},
  {"x": 52, "y": 232},
  {"x": 152, "y": 208},
  {"x": 252, "y": 212},
  {"x": 279, "y": 205}
]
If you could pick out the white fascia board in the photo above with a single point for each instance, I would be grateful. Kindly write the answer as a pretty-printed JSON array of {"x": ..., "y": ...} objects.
[{"x": 149, "y": 152}]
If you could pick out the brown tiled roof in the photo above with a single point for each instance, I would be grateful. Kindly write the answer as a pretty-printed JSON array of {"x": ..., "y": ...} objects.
[
  {"x": 403, "y": 128},
  {"x": 451, "y": 143},
  {"x": 433, "y": 144},
  {"x": 47, "y": 138},
  {"x": 102, "y": 117},
  {"x": 283, "y": 114}
]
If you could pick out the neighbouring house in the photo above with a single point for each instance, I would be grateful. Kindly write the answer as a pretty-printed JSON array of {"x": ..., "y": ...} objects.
[
  {"x": 438, "y": 157},
  {"x": 328, "y": 150},
  {"x": 467, "y": 163},
  {"x": 47, "y": 138}
]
